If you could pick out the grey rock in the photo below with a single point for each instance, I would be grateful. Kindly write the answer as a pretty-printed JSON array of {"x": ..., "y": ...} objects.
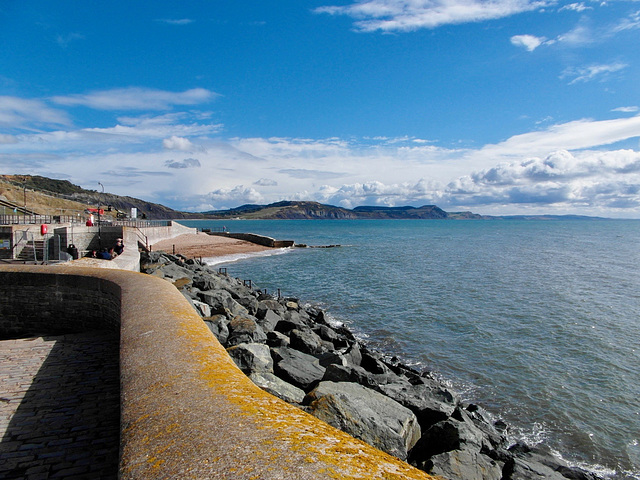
[
  {"x": 367, "y": 415},
  {"x": 462, "y": 464},
  {"x": 221, "y": 302},
  {"x": 291, "y": 320},
  {"x": 349, "y": 373},
  {"x": 332, "y": 358},
  {"x": 373, "y": 363},
  {"x": 297, "y": 368},
  {"x": 218, "y": 326},
  {"x": 430, "y": 405},
  {"x": 446, "y": 436},
  {"x": 202, "y": 308},
  {"x": 277, "y": 339},
  {"x": 245, "y": 329},
  {"x": 278, "y": 387},
  {"x": 353, "y": 354},
  {"x": 252, "y": 358},
  {"x": 273, "y": 305},
  {"x": 174, "y": 271},
  {"x": 269, "y": 320},
  {"x": 306, "y": 341},
  {"x": 520, "y": 469},
  {"x": 249, "y": 302}
]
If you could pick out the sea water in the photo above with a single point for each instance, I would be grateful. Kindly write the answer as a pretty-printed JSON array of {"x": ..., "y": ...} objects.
[{"x": 537, "y": 321}]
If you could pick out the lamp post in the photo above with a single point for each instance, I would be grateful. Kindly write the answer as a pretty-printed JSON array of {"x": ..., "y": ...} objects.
[
  {"x": 99, "y": 225},
  {"x": 24, "y": 191}
]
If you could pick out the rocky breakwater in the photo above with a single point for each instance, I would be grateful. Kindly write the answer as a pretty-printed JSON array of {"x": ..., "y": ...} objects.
[{"x": 294, "y": 353}]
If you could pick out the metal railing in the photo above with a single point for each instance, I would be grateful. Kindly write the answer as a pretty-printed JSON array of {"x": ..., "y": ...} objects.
[
  {"x": 35, "y": 219},
  {"x": 142, "y": 223}
]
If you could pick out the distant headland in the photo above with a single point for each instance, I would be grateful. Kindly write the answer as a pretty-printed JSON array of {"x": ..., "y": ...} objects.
[{"x": 46, "y": 196}]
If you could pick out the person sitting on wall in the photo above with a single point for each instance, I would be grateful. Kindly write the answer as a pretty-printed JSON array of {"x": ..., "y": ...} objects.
[
  {"x": 119, "y": 248},
  {"x": 104, "y": 254}
]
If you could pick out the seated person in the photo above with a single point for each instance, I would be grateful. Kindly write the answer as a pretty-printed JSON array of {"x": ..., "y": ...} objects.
[
  {"x": 104, "y": 254},
  {"x": 119, "y": 248}
]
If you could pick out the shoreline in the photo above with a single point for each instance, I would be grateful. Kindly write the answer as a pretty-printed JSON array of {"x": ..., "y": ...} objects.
[
  {"x": 249, "y": 320},
  {"x": 203, "y": 245}
]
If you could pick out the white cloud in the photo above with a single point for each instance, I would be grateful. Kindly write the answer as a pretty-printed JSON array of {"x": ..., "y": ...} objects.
[
  {"x": 266, "y": 182},
  {"x": 178, "y": 143},
  {"x": 134, "y": 98},
  {"x": 179, "y": 21},
  {"x": 230, "y": 197},
  {"x": 8, "y": 139},
  {"x": 407, "y": 15},
  {"x": 65, "y": 40},
  {"x": 592, "y": 72},
  {"x": 576, "y": 135},
  {"x": 576, "y": 7},
  {"x": 629, "y": 109},
  {"x": 18, "y": 112},
  {"x": 138, "y": 157},
  {"x": 579, "y": 36},
  {"x": 186, "y": 163},
  {"x": 529, "y": 42}
]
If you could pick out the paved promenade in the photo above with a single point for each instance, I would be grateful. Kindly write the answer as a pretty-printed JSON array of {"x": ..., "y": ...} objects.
[{"x": 59, "y": 407}]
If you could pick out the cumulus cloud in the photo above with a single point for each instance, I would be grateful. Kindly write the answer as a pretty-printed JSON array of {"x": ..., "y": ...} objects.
[
  {"x": 407, "y": 15},
  {"x": 178, "y": 143},
  {"x": 529, "y": 42},
  {"x": 592, "y": 72},
  {"x": 134, "y": 98},
  {"x": 231, "y": 197},
  {"x": 186, "y": 163},
  {"x": 26, "y": 113},
  {"x": 593, "y": 179}
]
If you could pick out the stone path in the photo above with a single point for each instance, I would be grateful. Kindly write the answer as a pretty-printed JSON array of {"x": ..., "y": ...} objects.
[{"x": 60, "y": 407}]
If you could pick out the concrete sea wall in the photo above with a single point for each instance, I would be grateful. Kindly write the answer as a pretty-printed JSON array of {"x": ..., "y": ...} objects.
[{"x": 187, "y": 410}]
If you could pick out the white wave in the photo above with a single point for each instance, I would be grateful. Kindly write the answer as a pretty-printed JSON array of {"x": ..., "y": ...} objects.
[{"x": 235, "y": 257}]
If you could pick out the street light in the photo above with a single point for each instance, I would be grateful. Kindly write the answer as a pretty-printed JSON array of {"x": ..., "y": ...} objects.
[{"x": 99, "y": 226}]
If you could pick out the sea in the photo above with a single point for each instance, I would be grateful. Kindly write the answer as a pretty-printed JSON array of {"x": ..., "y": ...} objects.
[{"x": 537, "y": 321}]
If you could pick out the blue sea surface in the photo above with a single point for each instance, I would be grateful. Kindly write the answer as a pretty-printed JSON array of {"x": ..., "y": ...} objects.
[{"x": 537, "y": 321}]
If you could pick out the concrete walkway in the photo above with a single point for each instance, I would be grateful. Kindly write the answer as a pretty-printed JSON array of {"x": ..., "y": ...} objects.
[{"x": 60, "y": 407}]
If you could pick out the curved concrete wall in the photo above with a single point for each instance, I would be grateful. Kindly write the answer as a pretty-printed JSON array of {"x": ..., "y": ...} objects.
[{"x": 187, "y": 410}]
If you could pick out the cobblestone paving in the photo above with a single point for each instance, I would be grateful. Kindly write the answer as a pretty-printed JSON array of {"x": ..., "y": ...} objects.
[{"x": 60, "y": 407}]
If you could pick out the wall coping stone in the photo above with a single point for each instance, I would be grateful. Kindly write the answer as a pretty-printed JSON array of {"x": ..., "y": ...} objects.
[{"x": 188, "y": 412}]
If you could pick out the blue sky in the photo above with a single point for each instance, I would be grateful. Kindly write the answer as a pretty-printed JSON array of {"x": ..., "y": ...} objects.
[{"x": 499, "y": 107}]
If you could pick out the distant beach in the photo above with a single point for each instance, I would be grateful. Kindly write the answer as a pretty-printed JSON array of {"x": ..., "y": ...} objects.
[{"x": 202, "y": 245}]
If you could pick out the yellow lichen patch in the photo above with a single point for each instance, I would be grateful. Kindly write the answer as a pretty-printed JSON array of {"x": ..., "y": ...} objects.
[{"x": 291, "y": 431}]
